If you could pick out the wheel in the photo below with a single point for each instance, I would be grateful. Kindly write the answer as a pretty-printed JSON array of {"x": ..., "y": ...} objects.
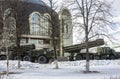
[
  {"x": 17, "y": 58},
  {"x": 2, "y": 57},
  {"x": 42, "y": 59},
  {"x": 26, "y": 58},
  {"x": 78, "y": 57},
  {"x": 91, "y": 57},
  {"x": 96, "y": 57},
  {"x": 111, "y": 57}
]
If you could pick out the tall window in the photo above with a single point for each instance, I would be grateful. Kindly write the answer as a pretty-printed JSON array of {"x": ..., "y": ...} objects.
[
  {"x": 35, "y": 24},
  {"x": 66, "y": 23},
  {"x": 39, "y": 25},
  {"x": 45, "y": 24}
]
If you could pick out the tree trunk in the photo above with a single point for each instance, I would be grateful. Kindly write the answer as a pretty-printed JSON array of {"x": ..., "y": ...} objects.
[
  {"x": 56, "y": 64},
  {"x": 7, "y": 52},
  {"x": 87, "y": 52},
  {"x": 18, "y": 52},
  {"x": 55, "y": 53}
]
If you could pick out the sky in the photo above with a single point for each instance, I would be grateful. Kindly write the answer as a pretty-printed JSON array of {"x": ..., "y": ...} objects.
[
  {"x": 116, "y": 18},
  {"x": 115, "y": 33}
]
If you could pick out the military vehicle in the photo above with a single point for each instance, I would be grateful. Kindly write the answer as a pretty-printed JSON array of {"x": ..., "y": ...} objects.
[
  {"x": 101, "y": 52},
  {"x": 28, "y": 53},
  {"x": 106, "y": 53}
]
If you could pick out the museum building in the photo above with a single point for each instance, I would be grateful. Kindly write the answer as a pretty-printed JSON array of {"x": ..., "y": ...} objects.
[{"x": 34, "y": 22}]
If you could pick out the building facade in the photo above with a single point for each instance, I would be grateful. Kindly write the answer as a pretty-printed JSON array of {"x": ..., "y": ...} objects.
[{"x": 36, "y": 23}]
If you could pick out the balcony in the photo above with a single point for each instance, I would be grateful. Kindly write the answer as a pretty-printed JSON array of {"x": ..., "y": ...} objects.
[{"x": 35, "y": 36}]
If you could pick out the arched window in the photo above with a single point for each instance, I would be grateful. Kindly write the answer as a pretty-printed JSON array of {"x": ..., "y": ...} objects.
[
  {"x": 35, "y": 23},
  {"x": 46, "y": 24},
  {"x": 66, "y": 22}
]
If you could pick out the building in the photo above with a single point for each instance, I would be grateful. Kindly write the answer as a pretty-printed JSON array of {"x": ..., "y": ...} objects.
[{"x": 35, "y": 23}]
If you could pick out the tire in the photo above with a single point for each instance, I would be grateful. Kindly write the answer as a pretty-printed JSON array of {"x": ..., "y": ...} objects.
[
  {"x": 17, "y": 58},
  {"x": 96, "y": 57},
  {"x": 26, "y": 58},
  {"x": 91, "y": 57},
  {"x": 2, "y": 57},
  {"x": 42, "y": 59},
  {"x": 112, "y": 57},
  {"x": 78, "y": 57}
]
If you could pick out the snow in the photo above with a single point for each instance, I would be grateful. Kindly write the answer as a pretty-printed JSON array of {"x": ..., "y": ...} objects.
[{"x": 105, "y": 69}]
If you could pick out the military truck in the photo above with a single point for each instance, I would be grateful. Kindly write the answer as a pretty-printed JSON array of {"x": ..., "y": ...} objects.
[
  {"x": 106, "y": 53},
  {"x": 100, "y": 54},
  {"x": 75, "y": 51},
  {"x": 28, "y": 53}
]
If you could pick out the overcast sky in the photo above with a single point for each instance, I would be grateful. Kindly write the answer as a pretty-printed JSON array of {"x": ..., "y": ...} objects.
[
  {"x": 116, "y": 17},
  {"x": 116, "y": 13}
]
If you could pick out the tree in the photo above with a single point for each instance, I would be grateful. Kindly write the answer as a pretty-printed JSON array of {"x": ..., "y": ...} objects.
[
  {"x": 9, "y": 32},
  {"x": 20, "y": 20},
  {"x": 94, "y": 16},
  {"x": 54, "y": 27}
]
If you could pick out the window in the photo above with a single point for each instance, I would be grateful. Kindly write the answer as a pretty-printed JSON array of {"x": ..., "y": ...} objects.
[
  {"x": 66, "y": 23},
  {"x": 45, "y": 24},
  {"x": 35, "y": 24},
  {"x": 23, "y": 41},
  {"x": 36, "y": 41},
  {"x": 46, "y": 41},
  {"x": 39, "y": 25}
]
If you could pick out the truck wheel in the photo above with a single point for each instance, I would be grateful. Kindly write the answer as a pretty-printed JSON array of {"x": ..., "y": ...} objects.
[
  {"x": 78, "y": 57},
  {"x": 17, "y": 58},
  {"x": 2, "y": 57},
  {"x": 91, "y": 57},
  {"x": 96, "y": 57},
  {"x": 26, "y": 58},
  {"x": 42, "y": 59},
  {"x": 112, "y": 57}
]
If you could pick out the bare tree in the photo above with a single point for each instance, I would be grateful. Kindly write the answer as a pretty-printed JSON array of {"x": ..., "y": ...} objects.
[
  {"x": 54, "y": 27},
  {"x": 94, "y": 18},
  {"x": 9, "y": 31},
  {"x": 20, "y": 19}
]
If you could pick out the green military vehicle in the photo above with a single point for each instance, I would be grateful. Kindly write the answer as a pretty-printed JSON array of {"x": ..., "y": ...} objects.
[
  {"x": 75, "y": 50},
  {"x": 106, "y": 53},
  {"x": 101, "y": 52},
  {"x": 28, "y": 53}
]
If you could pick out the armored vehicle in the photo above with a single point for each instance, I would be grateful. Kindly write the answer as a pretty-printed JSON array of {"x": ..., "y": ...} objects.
[{"x": 28, "y": 53}]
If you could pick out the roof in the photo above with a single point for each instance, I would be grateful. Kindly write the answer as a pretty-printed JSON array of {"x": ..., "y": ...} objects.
[{"x": 35, "y": 2}]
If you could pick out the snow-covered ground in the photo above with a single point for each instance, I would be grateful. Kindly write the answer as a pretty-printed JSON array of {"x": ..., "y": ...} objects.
[{"x": 106, "y": 69}]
